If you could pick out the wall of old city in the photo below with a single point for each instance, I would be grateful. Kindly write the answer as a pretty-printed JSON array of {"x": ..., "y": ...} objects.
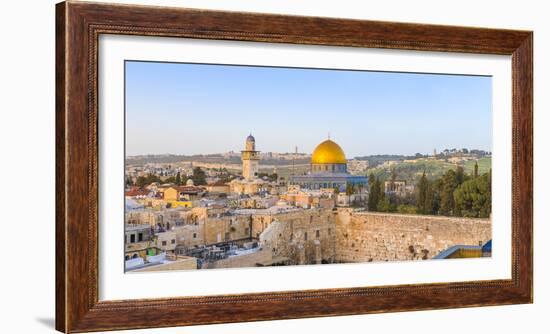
[
  {"x": 181, "y": 263},
  {"x": 371, "y": 236},
  {"x": 307, "y": 236},
  {"x": 261, "y": 257},
  {"x": 226, "y": 228},
  {"x": 302, "y": 237}
]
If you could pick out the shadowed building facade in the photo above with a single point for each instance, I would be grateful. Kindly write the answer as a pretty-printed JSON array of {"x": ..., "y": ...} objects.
[{"x": 328, "y": 170}]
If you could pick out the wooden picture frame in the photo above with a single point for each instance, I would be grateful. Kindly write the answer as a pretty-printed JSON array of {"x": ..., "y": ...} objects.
[{"x": 78, "y": 26}]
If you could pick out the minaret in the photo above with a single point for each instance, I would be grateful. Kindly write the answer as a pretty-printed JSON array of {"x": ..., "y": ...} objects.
[{"x": 250, "y": 158}]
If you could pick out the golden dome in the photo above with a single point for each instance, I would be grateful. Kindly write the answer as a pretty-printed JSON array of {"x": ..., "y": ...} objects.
[{"x": 328, "y": 152}]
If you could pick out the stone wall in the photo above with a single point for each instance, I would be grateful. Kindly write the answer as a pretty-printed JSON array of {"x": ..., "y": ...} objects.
[
  {"x": 370, "y": 236},
  {"x": 320, "y": 235},
  {"x": 227, "y": 228},
  {"x": 182, "y": 263},
  {"x": 303, "y": 237},
  {"x": 261, "y": 257}
]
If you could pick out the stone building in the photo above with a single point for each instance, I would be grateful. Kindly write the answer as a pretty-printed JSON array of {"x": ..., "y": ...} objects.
[
  {"x": 394, "y": 187},
  {"x": 398, "y": 187},
  {"x": 138, "y": 241}
]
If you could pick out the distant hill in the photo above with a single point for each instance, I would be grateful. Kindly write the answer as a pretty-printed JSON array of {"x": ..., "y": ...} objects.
[
  {"x": 210, "y": 158},
  {"x": 411, "y": 171},
  {"x": 483, "y": 165}
]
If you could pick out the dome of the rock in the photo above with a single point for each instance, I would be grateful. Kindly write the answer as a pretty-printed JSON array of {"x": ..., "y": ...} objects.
[{"x": 328, "y": 152}]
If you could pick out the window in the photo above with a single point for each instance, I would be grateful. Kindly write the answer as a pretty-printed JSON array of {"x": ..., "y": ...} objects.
[
  {"x": 140, "y": 237},
  {"x": 329, "y": 231},
  {"x": 305, "y": 235},
  {"x": 132, "y": 238},
  {"x": 164, "y": 243},
  {"x": 317, "y": 234},
  {"x": 194, "y": 235},
  {"x": 173, "y": 241}
]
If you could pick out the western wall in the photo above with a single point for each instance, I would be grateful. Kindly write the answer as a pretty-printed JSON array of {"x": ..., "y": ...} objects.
[
  {"x": 344, "y": 236},
  {"x": 375, "y": 236}
]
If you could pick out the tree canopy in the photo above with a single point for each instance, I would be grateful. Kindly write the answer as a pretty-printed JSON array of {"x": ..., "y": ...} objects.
[{"x": 455, "y": 193}]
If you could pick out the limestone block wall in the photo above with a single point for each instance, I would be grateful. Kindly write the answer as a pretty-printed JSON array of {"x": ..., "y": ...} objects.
[
  {"x": 304, "y": 237},
  {"x": 182, "y": 263},
  {"x": 371, "y": 236},
  {"x": 226, "y": 229},
  {"x": 245, "y": 260},
  {"x": 190, "y": 235}
]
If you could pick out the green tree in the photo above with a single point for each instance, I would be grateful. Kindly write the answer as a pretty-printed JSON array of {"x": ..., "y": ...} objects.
[
  {"x": 448, "y": 186},
  {"x": 371, "y": 179},
  {"x": 460, "y": 175},
  {"x": 141, "y": 181},
  {"x": 384, "y": 205},
  {"x": 199, "y": 176},
  {"x": 473, "y": 197},
  {"x": 407, "y": 209},
  {"x": 424, "y": 195},
  {"x": 178, "y": 179},
  {"x": 436, "y": 195},
  {"x": 374, "y": 193},
  {"x": 349, "y": 189},
  {"x": 171, "y": 179},
  {"x": 152, "y": 178},
  {"x": 476, "y": 170}
]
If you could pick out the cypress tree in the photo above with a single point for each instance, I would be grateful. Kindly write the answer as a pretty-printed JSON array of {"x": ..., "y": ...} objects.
[
  {"x": 459, "y": 175},
  {"x": 199, "y": 176},
  {"x": 374, "y": 193},
  {"x": 424, "y": 196}
]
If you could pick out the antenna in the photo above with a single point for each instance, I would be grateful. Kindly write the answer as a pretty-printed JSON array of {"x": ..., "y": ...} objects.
[{"x": 294, "y": 159}]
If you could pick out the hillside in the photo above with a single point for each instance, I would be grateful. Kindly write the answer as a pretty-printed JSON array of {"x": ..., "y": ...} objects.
[{"x": 410, "y": 171}]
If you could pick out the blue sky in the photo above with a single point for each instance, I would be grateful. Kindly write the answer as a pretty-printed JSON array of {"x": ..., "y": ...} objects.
[{"x": 202, "y": 109}]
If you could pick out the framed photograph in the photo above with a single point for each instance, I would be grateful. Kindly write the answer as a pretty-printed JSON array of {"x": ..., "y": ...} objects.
[{"x": 224, "y": 167}]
